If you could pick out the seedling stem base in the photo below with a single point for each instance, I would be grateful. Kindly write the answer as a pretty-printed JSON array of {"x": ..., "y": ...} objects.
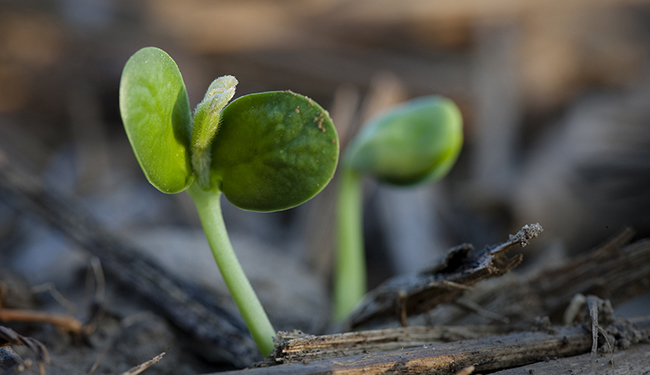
[
  {"x": 208, "y": 205},
  {"x": 350, "y": 281}
]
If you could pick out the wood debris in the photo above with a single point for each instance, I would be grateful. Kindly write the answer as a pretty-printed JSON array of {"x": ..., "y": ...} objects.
[
  {"x": 294, "y": 347},
  {"x": 141, "y": 367},
  {"x": 493, "y": 352},
  {"x": 461, "y": 268},
  {"x": 485, "y": 354},
  {"x": 616, "y": 271},
  {"x": 65, "y": 322}
]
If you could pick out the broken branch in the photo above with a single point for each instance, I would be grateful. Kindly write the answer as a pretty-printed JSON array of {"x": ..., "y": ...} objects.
[{"x": 446, "y": 281}]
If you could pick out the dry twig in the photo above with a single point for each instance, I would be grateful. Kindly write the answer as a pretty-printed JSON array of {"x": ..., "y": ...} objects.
[
  {"x": 139, "y": 368},
  {"x": 486, "y": 354},
  {"x": 293, "y": 347},
  {"x": 65, "y": 322},
  {"x": 445, "y": 282}
]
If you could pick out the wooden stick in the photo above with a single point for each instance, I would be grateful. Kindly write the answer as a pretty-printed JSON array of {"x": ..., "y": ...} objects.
[
  {"x": 491, "y": 353},
  {"x": 293, "y": 347},
  {"x": 139, "y": 368},
  {"x": 485, "y": 354},
  {"x": 461, "y": 268},
  {"x": 65, "y": 322}
]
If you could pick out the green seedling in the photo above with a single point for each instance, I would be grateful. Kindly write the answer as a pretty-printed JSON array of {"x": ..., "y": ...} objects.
[
  {"x": 414, "y": 143},
  {"x": 265, "y": 152}
]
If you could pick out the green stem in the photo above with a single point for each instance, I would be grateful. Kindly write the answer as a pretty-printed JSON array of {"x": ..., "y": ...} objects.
[
  {"x": 208, "y": 206},
  {"x": 350, "y": 278}
]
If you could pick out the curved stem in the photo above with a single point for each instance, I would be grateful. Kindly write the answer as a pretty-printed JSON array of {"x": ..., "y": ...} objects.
[
  {"x": 350, "y": 274},
  {"x": 208, "y": 206}
]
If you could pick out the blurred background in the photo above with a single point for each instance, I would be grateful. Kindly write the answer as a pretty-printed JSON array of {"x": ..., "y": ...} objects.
[{"x": 555, "y": 97}]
